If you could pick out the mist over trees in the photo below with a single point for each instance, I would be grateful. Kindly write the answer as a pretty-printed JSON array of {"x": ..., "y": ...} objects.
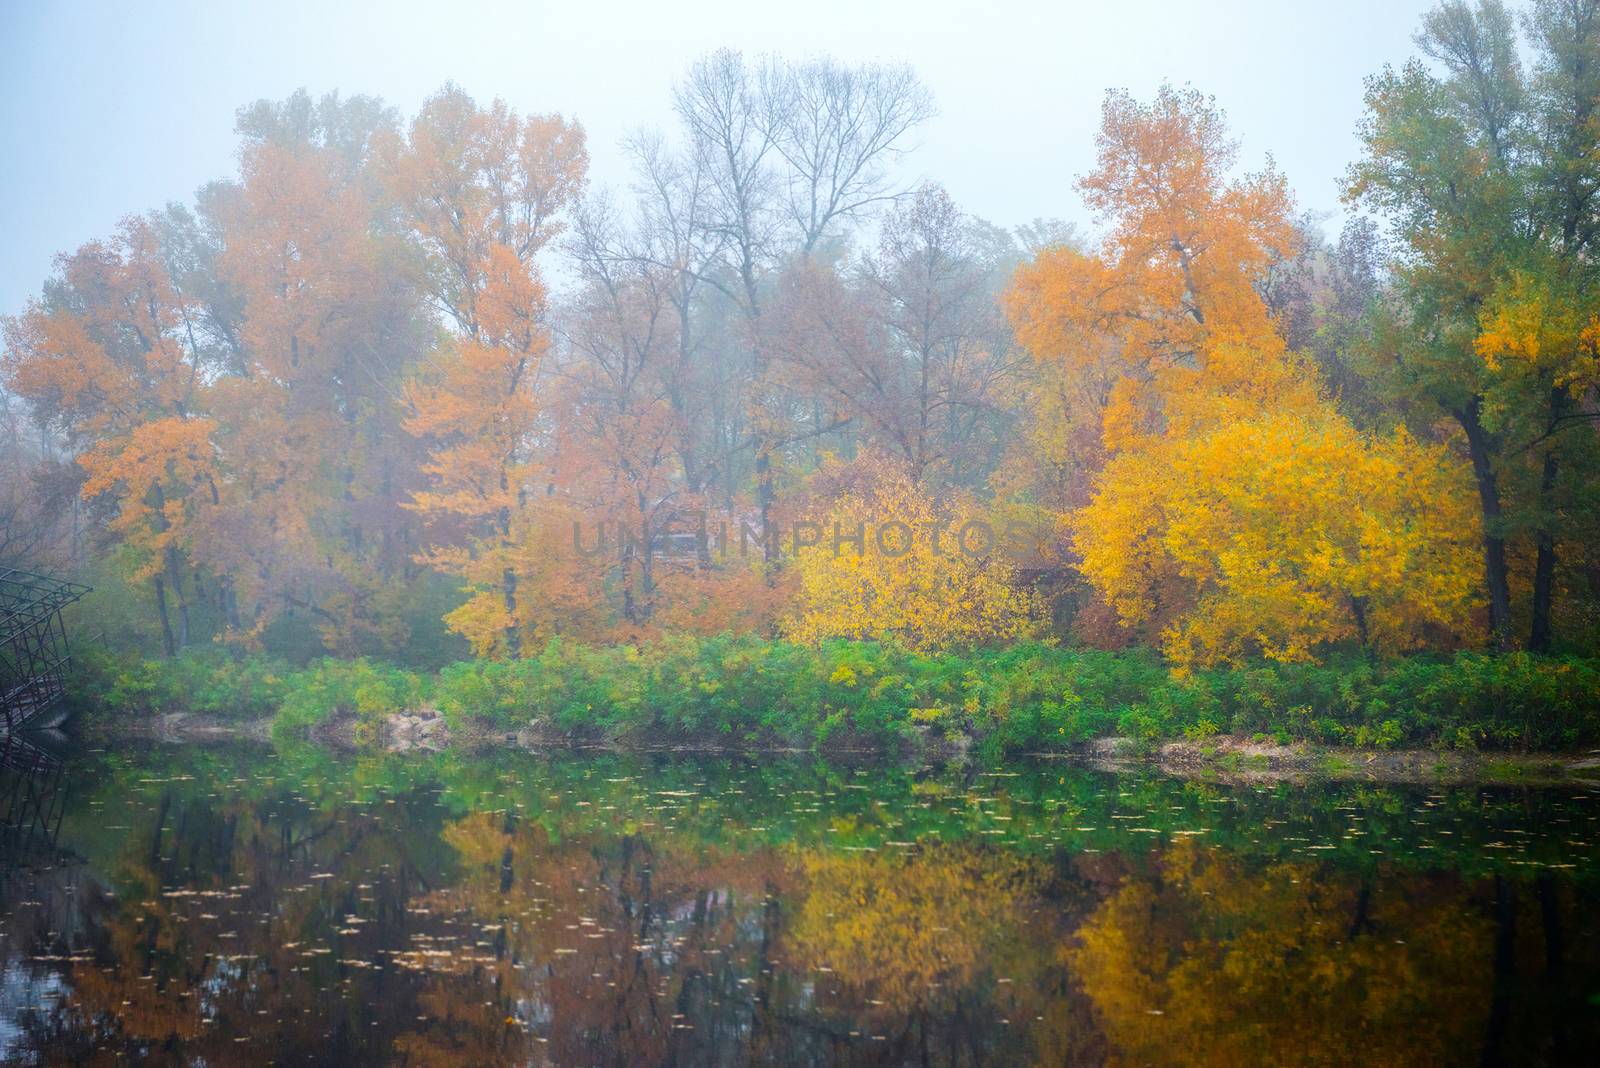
[{"x": 410, "y": 376}]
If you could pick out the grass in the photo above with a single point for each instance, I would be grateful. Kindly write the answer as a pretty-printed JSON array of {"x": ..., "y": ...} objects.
[{"x": 744, "y": 691}]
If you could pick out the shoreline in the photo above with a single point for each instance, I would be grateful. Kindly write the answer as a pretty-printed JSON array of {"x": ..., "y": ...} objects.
[
  {"x": 1225, "y": 758},
  {"x": 1220, "y": 758}
]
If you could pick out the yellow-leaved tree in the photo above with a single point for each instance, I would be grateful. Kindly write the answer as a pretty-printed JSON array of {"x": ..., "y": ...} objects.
[
  {"x": 893, "y": 563},
  {"x": 1282, "y": 533},
  {"x": 1237, "y": 512}
]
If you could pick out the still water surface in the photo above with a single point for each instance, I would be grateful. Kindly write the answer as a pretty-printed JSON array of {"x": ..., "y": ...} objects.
[{"x": 240, "y": 905}]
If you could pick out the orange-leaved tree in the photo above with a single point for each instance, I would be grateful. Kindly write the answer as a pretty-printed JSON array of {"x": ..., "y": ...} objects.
[
  {"x": 107, "y": 360},
  {"x": 1237, "y": 512},
  {"x": 482, "y": 189},
  {"x": 329, "y": 326}
]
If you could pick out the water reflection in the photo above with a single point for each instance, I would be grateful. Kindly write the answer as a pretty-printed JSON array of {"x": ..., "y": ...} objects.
[{"x": 244, "y": 906}]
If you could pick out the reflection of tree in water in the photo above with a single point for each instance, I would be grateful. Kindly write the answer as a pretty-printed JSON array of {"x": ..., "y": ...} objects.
[
  {"x": 1213, "y": 961},
  {"x": 48, "y": 896},
  {"x": 641, "y": 950},
  {"x": 600, "y": 950},
  {"x": 633, "y": 950},
  {"x": 228, "y": 924},
  {"x": 945, "y": 955},
  {"x": 480, "y": 914}
]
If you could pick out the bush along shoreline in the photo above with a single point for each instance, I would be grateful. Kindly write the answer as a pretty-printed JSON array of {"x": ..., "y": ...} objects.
[{"x": 742, "y": 692}]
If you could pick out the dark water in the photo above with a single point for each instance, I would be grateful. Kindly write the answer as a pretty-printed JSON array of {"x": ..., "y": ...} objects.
[{"x": 226, "y": 906}]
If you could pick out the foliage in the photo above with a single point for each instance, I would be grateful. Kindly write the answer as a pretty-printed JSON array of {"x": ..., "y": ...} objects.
[
  {"x": 1284, "y": 535},
  {"x": 1483, "y": 166},
  {"x": 333, "y": 409},
  {"x": 361, "y": 688},
  {"x": 1237, "y": 513},
  {"x": 209, "y": 681},
  {"x": 916, "y": 573},
  {"x": 740, "y": 691}
]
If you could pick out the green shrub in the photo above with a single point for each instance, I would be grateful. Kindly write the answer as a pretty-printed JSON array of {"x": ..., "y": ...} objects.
[
  {"x": 744, "y": 690},
  {"x": 364, "y": 689},
  {"x": 208, "y": 680}
]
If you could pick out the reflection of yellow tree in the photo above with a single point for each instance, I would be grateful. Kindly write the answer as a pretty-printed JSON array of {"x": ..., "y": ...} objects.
[
  {"x": 1213, "y": 964},
  {"x": 947, "y": 952},
  {"x": 901, "y": 928}
]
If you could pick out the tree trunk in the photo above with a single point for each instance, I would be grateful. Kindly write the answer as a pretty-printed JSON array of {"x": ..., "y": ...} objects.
[
  {"x": 513, "y": 638},
  {"x": 1544, "y": 568},
  {"x": 647, "y": 561},
  {"x": 508, "y": 578},
  {"x": 764, "y": 497},
  {"x": 166, "y": 622},
  {"x": 1496, "y": 575},
  {"x": 1358, "y": 609},
  {"x": 175, "y": 578},
  {"x": 231, "y": 604}
]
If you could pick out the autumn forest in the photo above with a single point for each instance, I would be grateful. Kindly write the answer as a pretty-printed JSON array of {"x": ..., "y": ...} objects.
[
  {"x": 482, "y": 583},
  {"x": 411, "y": 388}
]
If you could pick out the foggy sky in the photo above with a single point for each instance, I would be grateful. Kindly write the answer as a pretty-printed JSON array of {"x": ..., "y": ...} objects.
[{"x": 107, "y": 110}]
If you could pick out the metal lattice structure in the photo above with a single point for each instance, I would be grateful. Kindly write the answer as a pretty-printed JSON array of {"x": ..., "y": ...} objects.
[
  {"x": 32, "y": 800},
  {"x": 33, "y": 645}
]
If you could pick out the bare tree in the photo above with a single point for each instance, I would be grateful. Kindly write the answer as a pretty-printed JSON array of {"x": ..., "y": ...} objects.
[
  {"x": 912, "y": 350},
  {"x": 38, "y": 495},
  {"x": 778, "y": 157},
  {"x": 676, "y": 236},
  {"x": 730, "y": 114},
  {"x": 1046, "y": 233},
  {"x": 838, "y": 128}
]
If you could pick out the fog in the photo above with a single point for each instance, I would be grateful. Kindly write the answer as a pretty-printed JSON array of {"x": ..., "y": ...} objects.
[
  {"x": 107, "y": 110},
  {"x": 836, "y": 533}
]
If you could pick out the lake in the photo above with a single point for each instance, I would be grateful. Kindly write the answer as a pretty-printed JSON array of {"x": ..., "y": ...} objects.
[{"x": 237, "y": 904}]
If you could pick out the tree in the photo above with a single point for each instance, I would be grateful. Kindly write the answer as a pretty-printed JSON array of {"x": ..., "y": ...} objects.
[
  {"x": 38, "y": 494},
  {"x": 674, "y": 237},
  {"x": 1211, "y": 427},
  {"x": 1487, "y": 179},
  {"x": 1284, "y": 533},
  {"x": 838, "y": 128},
  {"x": 475, "y": 404},
  {"x": 328, "y": 322},
  {"x": 482, "y": 190},
  {"x": 910, "y": 352},
  {"x": 890, "y": 562},
  {"x": 105, "y": 363},
  {"x": 620, "y": 448}
]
